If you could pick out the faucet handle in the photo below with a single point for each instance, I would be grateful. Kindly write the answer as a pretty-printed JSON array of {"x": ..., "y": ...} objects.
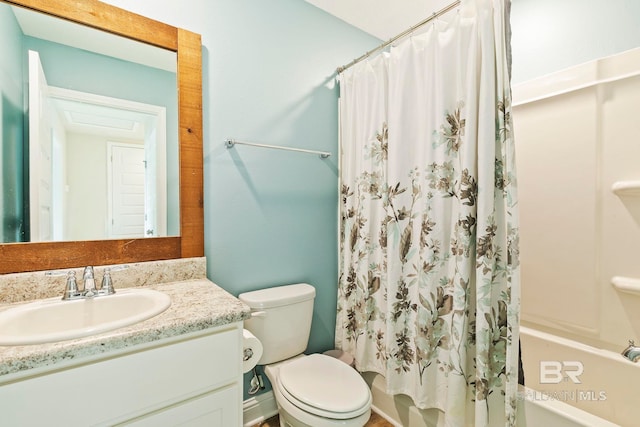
[
  {"x": 107, "y": 283},
  {"x": 71, "y": 288},
  {"x": 631, "y": 343}
]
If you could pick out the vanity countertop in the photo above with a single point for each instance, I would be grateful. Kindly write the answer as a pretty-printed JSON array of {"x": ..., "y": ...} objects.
[{"x": 196, "y": 305}]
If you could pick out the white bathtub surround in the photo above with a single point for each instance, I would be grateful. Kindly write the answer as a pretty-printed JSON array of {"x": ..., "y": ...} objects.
[
  {"x": 429, "y": 282},
  {"x": 580, "y": 275},
  {"x": 589, "y": 238}
]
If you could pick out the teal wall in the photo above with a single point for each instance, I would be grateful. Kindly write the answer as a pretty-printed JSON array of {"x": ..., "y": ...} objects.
[
  {"x": 84, "y": 71},
  {"x": 12, "y": 182},
  {"x": 270, "y": 216},
  {"x": 550, "y": 35}
]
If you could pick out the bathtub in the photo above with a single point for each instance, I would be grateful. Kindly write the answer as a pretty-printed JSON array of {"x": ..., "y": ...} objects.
[
  {"x": 605, "y": 394},
  {"x": 596, "y": 381}
]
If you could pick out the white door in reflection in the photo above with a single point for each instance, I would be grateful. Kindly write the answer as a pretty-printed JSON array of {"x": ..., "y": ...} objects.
[{"x": 126, "y": 190}]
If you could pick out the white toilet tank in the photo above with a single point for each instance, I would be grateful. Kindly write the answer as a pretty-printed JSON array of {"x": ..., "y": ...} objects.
[{"x": 281, "y": 319}]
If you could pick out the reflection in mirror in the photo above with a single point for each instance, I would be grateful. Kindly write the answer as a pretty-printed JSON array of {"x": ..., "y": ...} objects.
[{"x": 87, "y": 123}]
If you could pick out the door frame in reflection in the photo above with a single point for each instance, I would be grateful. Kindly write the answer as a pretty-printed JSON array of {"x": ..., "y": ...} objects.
[{"x": 155, "y": 158}]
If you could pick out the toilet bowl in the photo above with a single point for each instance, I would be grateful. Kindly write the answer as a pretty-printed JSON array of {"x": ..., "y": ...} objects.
[
  {"x": 310, "y": 391},
  {"x": 319, "y": 391}
]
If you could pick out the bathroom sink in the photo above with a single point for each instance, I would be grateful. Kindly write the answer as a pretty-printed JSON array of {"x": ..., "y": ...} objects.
[{"x": 53, "y": 320}]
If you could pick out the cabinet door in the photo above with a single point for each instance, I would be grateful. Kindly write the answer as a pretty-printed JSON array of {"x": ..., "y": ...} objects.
[{"x": 215, "y": 409}]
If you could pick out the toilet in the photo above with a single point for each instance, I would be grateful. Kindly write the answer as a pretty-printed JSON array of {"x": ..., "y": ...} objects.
[{"x": 313, "y": 390}]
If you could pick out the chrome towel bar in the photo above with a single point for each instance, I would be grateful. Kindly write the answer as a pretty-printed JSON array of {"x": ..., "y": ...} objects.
[{"x": 323, "y": 154}]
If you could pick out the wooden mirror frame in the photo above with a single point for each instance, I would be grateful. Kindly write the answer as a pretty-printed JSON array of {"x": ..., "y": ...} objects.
[{"x": 20, "y": 257}]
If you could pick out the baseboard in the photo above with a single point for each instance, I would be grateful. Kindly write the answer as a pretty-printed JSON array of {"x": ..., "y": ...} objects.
[
  {"x": 386, "y": 416},
  {"x": 259, "y": 408}
]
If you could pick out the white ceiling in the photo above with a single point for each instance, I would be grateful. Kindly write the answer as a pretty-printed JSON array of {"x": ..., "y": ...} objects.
[{"x": 383, "y": 19}]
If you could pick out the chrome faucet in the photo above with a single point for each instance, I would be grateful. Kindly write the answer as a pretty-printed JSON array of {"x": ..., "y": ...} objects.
[
  {"x": 90, "y": 290},
  {"x": 632, "y": 352}
]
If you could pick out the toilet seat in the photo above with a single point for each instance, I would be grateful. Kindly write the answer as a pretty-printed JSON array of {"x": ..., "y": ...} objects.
[{"x": 324, "y": 386}]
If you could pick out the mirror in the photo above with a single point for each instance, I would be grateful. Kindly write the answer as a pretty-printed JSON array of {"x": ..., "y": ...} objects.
[
  {"x": 48, "y": 255},
  {"x": 102, "y": 120}
]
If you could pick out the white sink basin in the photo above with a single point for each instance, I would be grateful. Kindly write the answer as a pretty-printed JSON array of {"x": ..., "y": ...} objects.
[{"x": 53, "y": 320}]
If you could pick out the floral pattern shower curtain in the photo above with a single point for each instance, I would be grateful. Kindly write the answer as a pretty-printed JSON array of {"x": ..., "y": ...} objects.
[{"x": 429, "y": 279}]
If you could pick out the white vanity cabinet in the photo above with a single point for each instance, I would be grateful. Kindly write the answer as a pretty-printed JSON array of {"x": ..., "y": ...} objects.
[{"x": 188, "y": 380}]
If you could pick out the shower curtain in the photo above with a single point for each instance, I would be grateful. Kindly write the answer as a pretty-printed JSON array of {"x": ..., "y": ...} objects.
[{"x": 429, "y": 280}]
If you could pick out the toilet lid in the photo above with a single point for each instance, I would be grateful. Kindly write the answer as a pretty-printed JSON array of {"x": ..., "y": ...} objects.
[{"x": 325, "y": 386}]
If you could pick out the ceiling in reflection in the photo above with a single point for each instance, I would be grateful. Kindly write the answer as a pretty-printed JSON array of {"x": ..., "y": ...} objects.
[
  {"x": 45, "y": 27},
  {"x": 80, "y": 117}
]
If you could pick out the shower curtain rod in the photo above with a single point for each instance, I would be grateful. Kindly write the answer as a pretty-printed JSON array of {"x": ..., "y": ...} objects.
[
  {"x": 433, "y": 16},
  {"x": 323, "y": 154}
]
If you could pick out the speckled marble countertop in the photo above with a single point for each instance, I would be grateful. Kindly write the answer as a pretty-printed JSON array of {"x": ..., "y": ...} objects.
[{"x": 196, "y": 305}]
